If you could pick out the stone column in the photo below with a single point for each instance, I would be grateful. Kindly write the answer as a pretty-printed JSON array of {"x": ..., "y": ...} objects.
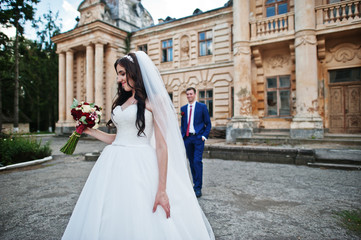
[
  {"x": 307, "y": 123},
  {"x": 99, "y": 78},
  {"x": 110, "y": 84},
  {"x": 61, "y": 91},
  {"x": 89, "y": 73},
  {"x": 69, "y": 84},
  {"x": 243, "y": 123}
]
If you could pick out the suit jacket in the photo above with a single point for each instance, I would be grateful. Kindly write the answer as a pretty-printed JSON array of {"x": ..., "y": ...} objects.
[{"x": 201, "y": 121}]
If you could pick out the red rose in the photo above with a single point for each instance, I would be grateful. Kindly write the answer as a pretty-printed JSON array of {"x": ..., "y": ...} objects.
[
  {"x": 182, "y": 113},
  {"x": 76, "y": 114}
]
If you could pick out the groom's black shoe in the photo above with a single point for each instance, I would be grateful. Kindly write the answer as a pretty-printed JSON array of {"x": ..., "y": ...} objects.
[{"x": 198, "y": 193}]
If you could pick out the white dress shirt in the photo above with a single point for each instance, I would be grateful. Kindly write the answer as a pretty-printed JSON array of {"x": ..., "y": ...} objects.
[{"x": 191, "y": 126}]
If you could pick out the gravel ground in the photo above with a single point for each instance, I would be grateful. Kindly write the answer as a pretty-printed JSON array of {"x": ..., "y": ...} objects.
[{"x": 242, "y": 200}]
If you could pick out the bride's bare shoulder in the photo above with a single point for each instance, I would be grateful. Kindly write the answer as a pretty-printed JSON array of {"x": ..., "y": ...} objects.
[{"x": 148, "y": 106}]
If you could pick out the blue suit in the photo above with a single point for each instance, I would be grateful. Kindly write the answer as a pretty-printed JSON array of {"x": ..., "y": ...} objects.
[{"x": 194, "y": 144}]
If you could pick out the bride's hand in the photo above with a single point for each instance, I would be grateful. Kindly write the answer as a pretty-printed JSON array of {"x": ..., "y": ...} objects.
[
  {"x": 162, "y": 200},
  {"x": 87, "y": 131}
]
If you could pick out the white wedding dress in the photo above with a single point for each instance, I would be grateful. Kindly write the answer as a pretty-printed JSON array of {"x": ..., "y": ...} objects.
[{"x": 117, "y": 200}]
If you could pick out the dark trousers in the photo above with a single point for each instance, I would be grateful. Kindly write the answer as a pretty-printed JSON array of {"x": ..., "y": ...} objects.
[{"x": 194, "y": 148}]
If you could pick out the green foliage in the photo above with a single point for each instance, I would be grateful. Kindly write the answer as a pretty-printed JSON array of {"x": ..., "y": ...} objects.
[
  {"x": 350, "y": 219},
  {"x": 21, "y": 149},
  {"x": 38, "y": 73},
  {"x": 15, "y": 13},
  {"x": 127, "y": 42}
]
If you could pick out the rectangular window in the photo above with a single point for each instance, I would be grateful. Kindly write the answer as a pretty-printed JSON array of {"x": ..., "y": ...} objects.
[
  {"x": 205, "y": 43},
  {"x": 167, "y": 50},
  {"x": 278, "y": 7},
  {"x": 278, "y": 96},
  {"x": 206, "y": 97},
  {"x": 143, "y": 48},
  {"x": 345, "y": 75}
]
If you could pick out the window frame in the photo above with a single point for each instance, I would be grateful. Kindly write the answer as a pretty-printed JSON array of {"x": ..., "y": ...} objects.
[
  {"x": 276, "y": 4},
  {"x": 206, "y": 40},
  {"x": 328, "y": 1},
  {"x": 167, "y": 49},
  {"x": 141, "y": 48},
  {"x": 205, "y": 99},
  {"x": 278, "y": 89}
]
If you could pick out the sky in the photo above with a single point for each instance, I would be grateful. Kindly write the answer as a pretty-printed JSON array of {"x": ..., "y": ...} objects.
[{"x": 157, "y": 8}]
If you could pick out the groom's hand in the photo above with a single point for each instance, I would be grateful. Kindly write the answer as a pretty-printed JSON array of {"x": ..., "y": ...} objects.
[{"x": 162, "y": 200}]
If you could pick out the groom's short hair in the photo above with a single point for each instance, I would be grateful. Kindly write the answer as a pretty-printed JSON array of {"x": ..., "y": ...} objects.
[{"x": 191, "y": 88}]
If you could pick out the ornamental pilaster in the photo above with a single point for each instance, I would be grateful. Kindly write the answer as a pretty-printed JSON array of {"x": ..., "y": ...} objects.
[
  {"x": 307, "y": 121},
  {"x": 62, "y": 95},
  {"x": 69, "y": 88},
  {"x": 89, "y": 73},
  {"x": 99, "y": 76}
]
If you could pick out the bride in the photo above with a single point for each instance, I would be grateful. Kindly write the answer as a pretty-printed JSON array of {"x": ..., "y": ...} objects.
[{"x": 139, "y": 187}]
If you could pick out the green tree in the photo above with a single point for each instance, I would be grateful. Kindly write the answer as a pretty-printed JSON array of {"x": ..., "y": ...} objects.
[
  {"x": 6, "y": 64},
  {"x": 46, "y": 31},
  {"x": 14, "y": 13},
  {"x": 39, "y": 75}
]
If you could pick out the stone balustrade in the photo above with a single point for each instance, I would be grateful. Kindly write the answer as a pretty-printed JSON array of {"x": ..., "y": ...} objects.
[
  {"x": 338, "y": 13},
  {"x": 272, "y": 26}
]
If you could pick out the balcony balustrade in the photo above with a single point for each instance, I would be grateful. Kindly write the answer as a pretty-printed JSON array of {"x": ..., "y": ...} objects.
[
  {"x": 272, "y": 26},
  {"x": 338, "y": 14}
]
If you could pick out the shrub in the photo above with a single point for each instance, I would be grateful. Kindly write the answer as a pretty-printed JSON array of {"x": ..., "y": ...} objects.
[{"x": 21, "y": 149}]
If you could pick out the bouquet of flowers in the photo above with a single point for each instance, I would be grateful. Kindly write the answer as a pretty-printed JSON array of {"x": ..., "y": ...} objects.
[{"x": 86, "y": 115}]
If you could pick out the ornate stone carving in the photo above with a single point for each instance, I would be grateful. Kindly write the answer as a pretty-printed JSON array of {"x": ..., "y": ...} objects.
[
  {"x": 278, "y": 61},
  {"x": 184, "y": 47},
  {"x": 257, "y": 57},
  {"x": 303, "y": 40},
  {"x": 321, "y": 49},
  {"x": 344, "y": 52},
  {"x": 239, "y": 48}
]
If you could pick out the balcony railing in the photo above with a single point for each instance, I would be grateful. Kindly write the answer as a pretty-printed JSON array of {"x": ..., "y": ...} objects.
[
  {"x": 338, "y": 13},
  {"x": 272, "y": 26}
]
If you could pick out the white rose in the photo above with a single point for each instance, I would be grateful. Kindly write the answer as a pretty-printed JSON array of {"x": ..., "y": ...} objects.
[
  {"x": 86, "y": 108},
  {"x": 96, "y": 126},
  {"x": 98, "y": 113}
]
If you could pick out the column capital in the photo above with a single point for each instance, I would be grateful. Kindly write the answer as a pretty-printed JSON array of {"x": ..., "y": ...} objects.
[
  {"x": 112, "y": 46},
  {"x": 99, "y": 42},
  {"x": 59, "y": 51},
  {"x": 69, "y": 50},
  {"x": 87, "y": 44}
]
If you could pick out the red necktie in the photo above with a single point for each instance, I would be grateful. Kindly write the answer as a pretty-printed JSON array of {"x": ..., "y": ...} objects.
[{"x": 189, "y": 121}]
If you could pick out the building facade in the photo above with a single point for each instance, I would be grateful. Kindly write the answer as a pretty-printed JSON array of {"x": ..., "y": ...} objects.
[{"x": 259, "y": 65}]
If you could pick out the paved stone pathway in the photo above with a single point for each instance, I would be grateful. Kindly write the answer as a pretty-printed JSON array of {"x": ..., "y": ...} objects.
[{"x": 242, "y": 200}]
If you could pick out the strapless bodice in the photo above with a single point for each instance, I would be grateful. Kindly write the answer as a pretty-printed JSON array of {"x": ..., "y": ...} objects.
[{"x": 127, "y": 132}]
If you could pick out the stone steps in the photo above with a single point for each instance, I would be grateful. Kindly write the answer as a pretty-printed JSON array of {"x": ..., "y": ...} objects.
[
  {"x": 335, "y": 166},
  {"x": 283, "y": 138}
]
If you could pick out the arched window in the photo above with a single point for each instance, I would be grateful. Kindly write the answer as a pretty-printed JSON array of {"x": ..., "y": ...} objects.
[{"x": 276, "y": 7}]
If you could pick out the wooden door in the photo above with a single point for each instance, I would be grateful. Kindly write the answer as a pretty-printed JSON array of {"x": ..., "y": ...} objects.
[
  {"x": 353, "y": 109},
  {"x": 337, "y": 110},
  {"x": 345, "y": 109}
]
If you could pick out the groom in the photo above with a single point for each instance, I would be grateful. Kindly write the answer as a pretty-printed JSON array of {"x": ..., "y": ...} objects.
[{"x": 195, "y": 126}]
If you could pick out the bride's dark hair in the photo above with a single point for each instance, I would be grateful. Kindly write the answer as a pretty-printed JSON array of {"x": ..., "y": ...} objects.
[{"x": 132, "y": 70}]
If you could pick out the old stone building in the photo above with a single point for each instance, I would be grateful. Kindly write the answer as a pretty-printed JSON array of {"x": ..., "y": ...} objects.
[{"x": 259, "y": 65}]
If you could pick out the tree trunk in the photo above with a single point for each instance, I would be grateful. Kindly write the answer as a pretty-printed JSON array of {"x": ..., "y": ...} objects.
[
  {"x": 16, "y": 91},
  {"x": 38, "y": 112}
]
